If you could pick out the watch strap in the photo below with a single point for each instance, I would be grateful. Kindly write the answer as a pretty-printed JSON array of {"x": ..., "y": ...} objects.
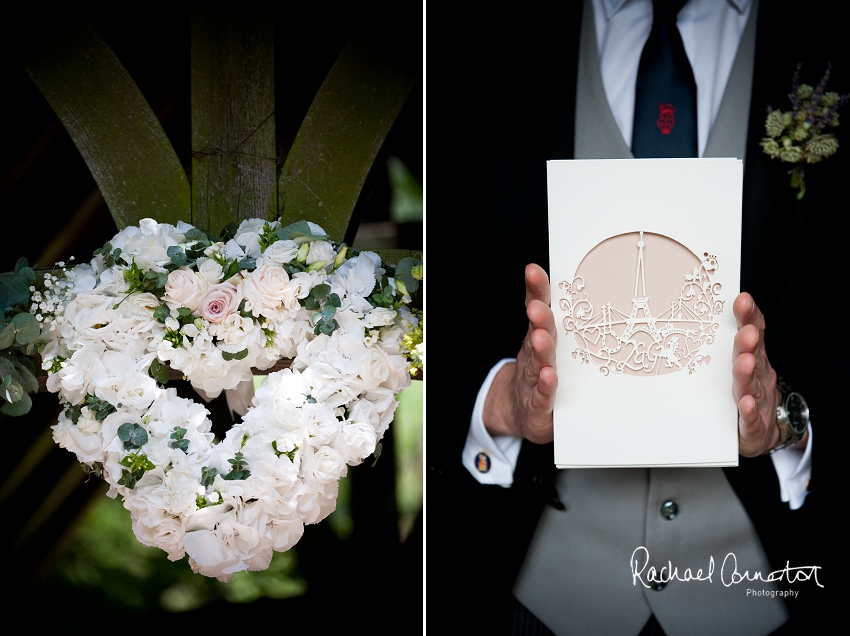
[{"x": 788, "y": 436}]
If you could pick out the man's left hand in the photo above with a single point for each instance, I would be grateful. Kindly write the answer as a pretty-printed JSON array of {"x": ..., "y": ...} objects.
[{"x": 753, "y": 381}]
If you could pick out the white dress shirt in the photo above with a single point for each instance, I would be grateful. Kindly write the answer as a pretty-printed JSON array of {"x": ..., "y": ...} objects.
[{"x": 711, "y": 31}]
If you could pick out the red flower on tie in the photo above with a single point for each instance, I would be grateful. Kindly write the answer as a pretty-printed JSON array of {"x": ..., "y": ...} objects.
[{"x": 666, "y": 118}]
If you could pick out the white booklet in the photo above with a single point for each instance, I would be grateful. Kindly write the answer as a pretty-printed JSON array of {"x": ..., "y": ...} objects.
[{"x": 645, "y": 261}]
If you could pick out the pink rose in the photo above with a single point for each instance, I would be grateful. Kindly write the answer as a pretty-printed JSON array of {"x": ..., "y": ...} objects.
[{"x": 221, "y": 301}]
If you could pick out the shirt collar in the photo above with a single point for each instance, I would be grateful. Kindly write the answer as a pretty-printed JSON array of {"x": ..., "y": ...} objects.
[{"x": 612, "y": 6}]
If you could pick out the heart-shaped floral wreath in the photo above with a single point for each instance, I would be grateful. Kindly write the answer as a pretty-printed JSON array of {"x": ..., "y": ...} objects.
[{"x": 159, "y": 295}]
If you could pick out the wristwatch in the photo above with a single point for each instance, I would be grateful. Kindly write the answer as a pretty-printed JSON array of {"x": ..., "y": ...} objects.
[{"x": 792, "y": 416}]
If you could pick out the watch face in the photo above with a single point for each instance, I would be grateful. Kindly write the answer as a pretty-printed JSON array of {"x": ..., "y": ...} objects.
[{"x": 798, "y": 412}]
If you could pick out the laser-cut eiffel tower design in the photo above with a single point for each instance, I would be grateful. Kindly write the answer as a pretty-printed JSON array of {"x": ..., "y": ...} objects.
[{"x": 647, "y": 323}]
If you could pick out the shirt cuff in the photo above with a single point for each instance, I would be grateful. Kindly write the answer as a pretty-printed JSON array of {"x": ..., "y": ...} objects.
[
  {"x": 489, "y": 459},
  {"x": 794, "y": 468}
]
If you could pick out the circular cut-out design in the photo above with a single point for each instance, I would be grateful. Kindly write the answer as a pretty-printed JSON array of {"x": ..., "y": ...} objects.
[{"x": 642, "y": 304}]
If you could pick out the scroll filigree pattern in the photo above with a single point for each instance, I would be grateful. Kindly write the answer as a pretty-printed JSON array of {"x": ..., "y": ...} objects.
[{"x": 637, "y": 342}]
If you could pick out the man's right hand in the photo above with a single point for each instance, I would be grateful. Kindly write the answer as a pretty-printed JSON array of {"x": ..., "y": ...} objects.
[{"x": 522, "y": 396}]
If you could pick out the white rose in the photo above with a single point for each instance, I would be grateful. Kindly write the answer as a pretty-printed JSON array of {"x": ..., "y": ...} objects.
[
  {"x": 185, "y": 288},
  {"x": 321, "y": 251},
  {"x": 210, "y": 270},
  {"x": 360, "y": 439},
  {"x": 265, "y": 287},
  {"x": 281, "y": 252},
  {"x": 324, "y": 466}
]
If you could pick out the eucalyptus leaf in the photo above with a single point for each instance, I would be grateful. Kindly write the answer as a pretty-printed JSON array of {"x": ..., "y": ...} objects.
[
  {"x": 28, "y": 273},
  {"x": 410, "y": 283},
  {"x": 7, "y": 367},
  {"x": 14, "y": 290},
  {"x": 27, "y": 328},
  {"x": 21, "y": 407},
  {"x": 22, "y": 263},
  {"x": 7, "y": 336},
  {"x": 299, "y": 232},
  {"x": 27, "y": 379},
  {"x": 28, "y": 363},
  {"x": 320, "y": 291}
]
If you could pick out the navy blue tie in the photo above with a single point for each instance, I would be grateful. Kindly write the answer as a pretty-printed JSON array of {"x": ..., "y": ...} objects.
[{"x": 665, "y": 123}]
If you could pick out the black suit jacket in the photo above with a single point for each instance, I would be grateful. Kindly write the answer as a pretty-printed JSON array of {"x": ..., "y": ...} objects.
[{"x": 504, "y": 95}]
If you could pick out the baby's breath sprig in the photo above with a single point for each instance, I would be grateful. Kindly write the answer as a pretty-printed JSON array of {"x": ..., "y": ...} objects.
[{"x": 797, "y": 136}]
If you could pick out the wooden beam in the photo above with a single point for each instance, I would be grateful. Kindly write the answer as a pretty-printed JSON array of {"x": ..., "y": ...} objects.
[{"x": 234, "y": 165}]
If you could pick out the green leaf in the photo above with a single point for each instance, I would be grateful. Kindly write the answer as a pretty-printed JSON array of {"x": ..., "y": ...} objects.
[
  {"x": 14, "y": 290},
  {"x": 7, "y": 336},
  {"x": 195, "y": 234},
  {"x": 228, "y": 232},
  {"x": 27, "y": 379},
  {"x": 181, "y": 444},
  {"x": 377, "y": 453},
  {"x": 158, "y": 371},
  {"x": 21, "y": 407},
  {"x": 13, "y": 391},
  {"x": 239, "y": 355},
  {"x": 320, "y": 291},
  {"x": 208, "y": 475},
  {"x": 27, "y": 328},
  {"x": 133, "y": 435},
  {"x": 6, "y": 365},
  {"x": 299, "y": 232},
  {"x": 28, "y": 363}
]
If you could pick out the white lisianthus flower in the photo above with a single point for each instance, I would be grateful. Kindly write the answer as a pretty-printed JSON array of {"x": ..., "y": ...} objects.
[
  {"x": 78, "y": 376},
  {"x": 83, "y": 438},
  {"x": 379, "y": 317},
  {"x": 234, "y": 332},
  {"x": 149, "y": 246},
  {"x": 299, "y": 287},
  {"x": 248, "y": 236},
  {"x": 355, "y": 280}
]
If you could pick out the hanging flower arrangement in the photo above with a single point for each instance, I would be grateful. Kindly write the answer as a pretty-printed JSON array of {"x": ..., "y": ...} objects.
[{"x": 159, "y": 296}]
